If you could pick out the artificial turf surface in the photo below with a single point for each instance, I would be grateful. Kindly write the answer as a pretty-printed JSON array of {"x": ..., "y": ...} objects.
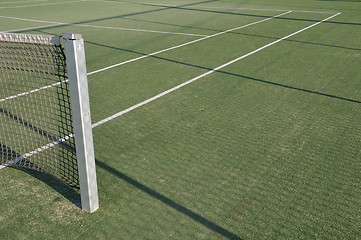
[{"x": 266, "y": 148}]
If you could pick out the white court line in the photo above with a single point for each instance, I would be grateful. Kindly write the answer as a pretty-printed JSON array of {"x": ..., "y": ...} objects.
[
  {"x": 3, "y": 166},
  {"x": 23, "y": 1},
  {"x": 175, "y": 88},
  {"x": 32, "y": 91},
  {"x": 30, "y": 20},
  {"x": 206, "y": 74},
  {"x": 38, "y": 5},
  {"x": 140, "y": 30},
  {"x": 151, "y": 54},
  {"x": 209, "y": 7},
  {"x": 30, "y": 28},
  {"x": 40, "y": 149},
  {"x": 185, "y": 44},
  {"x": 260, "y": 9},
  {"x": 101, "y": 27},
  {"x": 138, "y": 3}
]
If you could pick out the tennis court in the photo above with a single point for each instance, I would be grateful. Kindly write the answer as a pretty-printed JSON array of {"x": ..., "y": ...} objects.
[{"x": 215, "y": 119}]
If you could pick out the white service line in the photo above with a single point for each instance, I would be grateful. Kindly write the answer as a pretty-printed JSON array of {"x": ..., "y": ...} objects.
[
  {"x": 101, "y": 27},
  {"x": 185, "y": 44},
  {"x": 206, "y": 74},
  {"x": 38, "y": 5}
]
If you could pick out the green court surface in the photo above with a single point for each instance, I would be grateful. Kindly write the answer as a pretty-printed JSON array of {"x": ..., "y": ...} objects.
[{"x": 213, "y": 119}]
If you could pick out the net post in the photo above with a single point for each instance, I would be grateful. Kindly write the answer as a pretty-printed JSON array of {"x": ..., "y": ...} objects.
[{"x": 77, "y": 74}]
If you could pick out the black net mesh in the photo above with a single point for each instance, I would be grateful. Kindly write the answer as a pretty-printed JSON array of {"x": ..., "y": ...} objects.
[{"x": 35, "y": 113}]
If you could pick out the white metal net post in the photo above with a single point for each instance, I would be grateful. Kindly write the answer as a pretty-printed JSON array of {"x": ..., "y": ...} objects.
[{"x": 77, "y": 75}]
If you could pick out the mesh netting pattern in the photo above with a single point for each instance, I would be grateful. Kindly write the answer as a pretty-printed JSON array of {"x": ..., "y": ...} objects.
[{"x": 36, "y": 130}]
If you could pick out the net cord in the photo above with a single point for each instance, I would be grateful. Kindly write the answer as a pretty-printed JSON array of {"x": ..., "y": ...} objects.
[{"x": 30, "y": 38}]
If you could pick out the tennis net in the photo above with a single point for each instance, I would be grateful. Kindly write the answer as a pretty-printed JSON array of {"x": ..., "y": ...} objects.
[
  {"x": 35, "y": 112},
  {"x": 44, "y": 110}
]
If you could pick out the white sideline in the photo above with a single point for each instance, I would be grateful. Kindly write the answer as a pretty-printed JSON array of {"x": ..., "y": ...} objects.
[
  {"x": 148, "y": 55},
  {"x": 23, "y": 1},
  {"x": 101, "y": 27},
  {"x": 32, "y": 91},
  {"x": 139, "y": 3},
  {"x": 139, "y": 30},
  {"x": 185, "y": 44},
  {"x": 40, "y": 149},
  {"x": 30, "y": 28},
  {"x": 206, "y": 74},
  {"x": 45, "y": 4}
]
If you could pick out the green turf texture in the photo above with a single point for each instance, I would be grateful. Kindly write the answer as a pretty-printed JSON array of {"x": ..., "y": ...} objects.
[{"x": 268, "y": 148}]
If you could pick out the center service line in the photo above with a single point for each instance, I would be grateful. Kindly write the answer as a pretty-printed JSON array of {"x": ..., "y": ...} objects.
[{"x": 207, "y": 73}]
